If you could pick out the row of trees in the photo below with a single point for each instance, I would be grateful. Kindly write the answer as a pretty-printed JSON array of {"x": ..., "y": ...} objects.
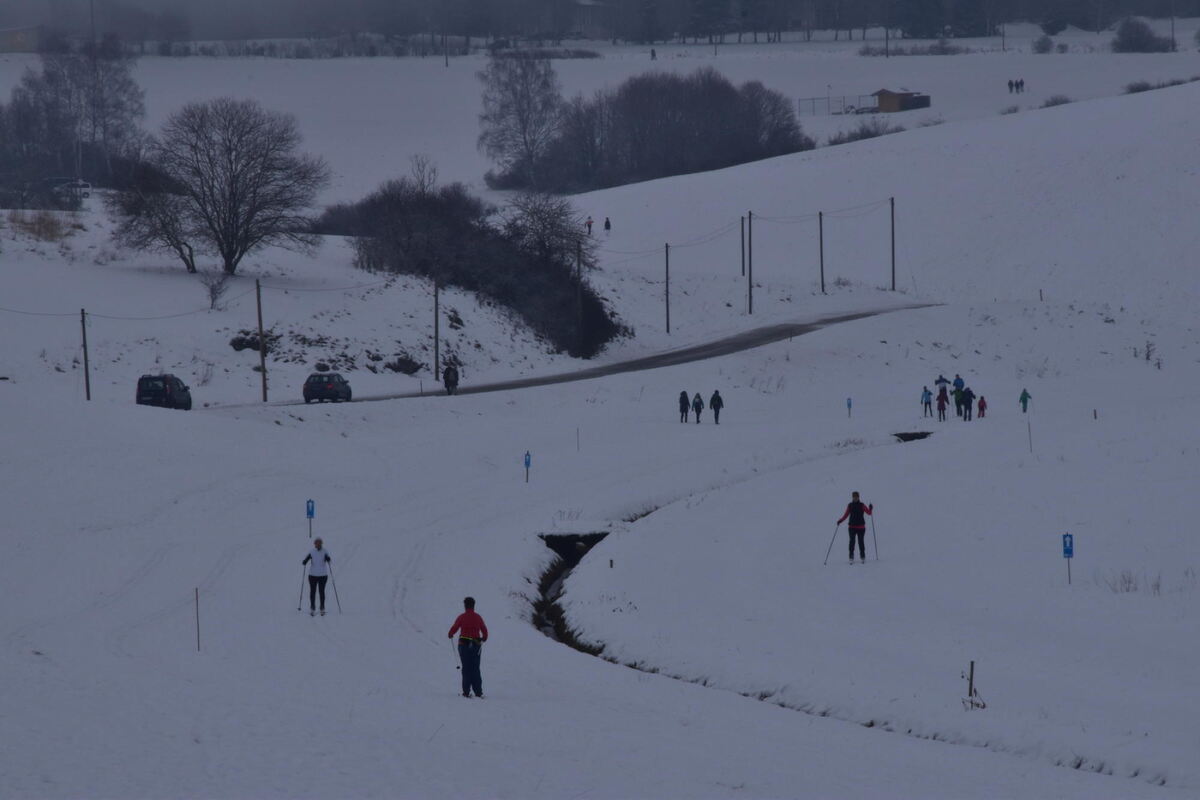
[
  {"x": 631, "y": 20},
  {"x": 75, "y": 116},
  {"x": 650, "y": 126}
]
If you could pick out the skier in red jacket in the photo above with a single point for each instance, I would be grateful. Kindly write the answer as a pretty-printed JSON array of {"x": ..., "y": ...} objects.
[
  {"x": 858, "y": 525},
  {"x": 470, "y": 643}
]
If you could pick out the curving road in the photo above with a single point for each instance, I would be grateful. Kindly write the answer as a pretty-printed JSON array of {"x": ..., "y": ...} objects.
[{"x": 746, "y": 340}]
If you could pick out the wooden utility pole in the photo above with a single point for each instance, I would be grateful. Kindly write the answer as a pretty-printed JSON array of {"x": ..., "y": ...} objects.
[
  {"x": 667, "y": 282},
  {"x": 87, "y": 373},
  {"x": 437, "y": 368},
  {"x": 750, "y": 262},
  {"x": 579, "y": 295},
  {"x": 262, "y": 339},
  {"x": 821, "y": 244},
  {"x": 892, "y": 200},
  {"x": 742, "y": 220}
]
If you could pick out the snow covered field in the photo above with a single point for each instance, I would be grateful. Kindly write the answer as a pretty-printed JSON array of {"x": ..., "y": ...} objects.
[{"x": 116, "y": 515}]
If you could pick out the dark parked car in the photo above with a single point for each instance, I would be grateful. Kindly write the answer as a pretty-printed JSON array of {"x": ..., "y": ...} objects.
[
  {"x": 326, "y": 386},
  {"x": 165, "y": 391}
]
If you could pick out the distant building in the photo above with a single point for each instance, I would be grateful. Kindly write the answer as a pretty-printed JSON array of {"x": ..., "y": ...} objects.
[
  {"x": 888, "y": 101},
  {"x": 21, "y": 40}
]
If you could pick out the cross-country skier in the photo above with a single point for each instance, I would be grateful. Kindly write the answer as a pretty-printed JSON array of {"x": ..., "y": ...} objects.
[
  {"x": 716, "y": 403},
  {"x": 1024, "y": 400},
  {"x": 684, "y": 405},
  {"x": 470, "y": 643},
  {"x": 858, "y": 525},
  {"x": 697, "y": 406},
  {"x": 318, "y": 572},
  {"x": 968, "y": 403},
  {"x": 926, "y": 401}
]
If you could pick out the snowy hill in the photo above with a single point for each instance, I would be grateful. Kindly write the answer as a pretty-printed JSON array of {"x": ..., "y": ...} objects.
[{"x": 127, "y": 524}]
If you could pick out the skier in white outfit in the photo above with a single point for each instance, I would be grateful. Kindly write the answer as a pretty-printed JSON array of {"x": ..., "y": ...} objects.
[{"x": 318, "y": 572}]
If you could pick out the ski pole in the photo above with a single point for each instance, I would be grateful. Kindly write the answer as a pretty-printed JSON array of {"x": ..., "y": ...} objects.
[
  {"x": 334, "y": 582},
  {"x": 301, "y": 603},
  {"x": 873, "y": 536},
  {"x": 455, "y": 655},
  {"x": 831, "y": 541}
]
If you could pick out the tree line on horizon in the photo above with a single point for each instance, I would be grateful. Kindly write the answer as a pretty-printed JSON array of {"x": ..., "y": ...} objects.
[{"x": 647, "y": 21}]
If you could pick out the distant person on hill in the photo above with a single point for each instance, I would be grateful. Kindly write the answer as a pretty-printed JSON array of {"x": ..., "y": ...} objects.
[
  {"x": 858, "y": 525},
  {"x": 607, "y": 225},
  {"x": 968, "y": 403},
  {"x": 941, "y": 382},
  {"x": 450, "y": 378},
  {"x": 653, "y": 54},
  {"x": 1012, "y": 85},
  {"x": 942, "y": 401},
  {"x": 684, "y": 405},
  {"x": 697, "y": 406},
  {"x": 589, "y": 225},
  {"x": 1021, "y": 86},
  {"x": 1024, "y": 400},
  {"x": 982, "y": 406},
  {"x": 958, "y": 393},
  {"x": 926, "y": 401},
  {"x": 470, "y": 645},
  {"x": 959, "y": 383},
  {"x": 318, "y": 574},
  {"x": 716, "y": 403}
]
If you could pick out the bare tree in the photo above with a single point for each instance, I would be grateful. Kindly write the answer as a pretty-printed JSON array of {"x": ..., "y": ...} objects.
[
  {"x": 151, "y": 219},
  {"x": 215, "y": 283},
  {"x": 548, "y": 227},
  {"x": 243, "y": 184},
  {"x": 522, "y": 107}
]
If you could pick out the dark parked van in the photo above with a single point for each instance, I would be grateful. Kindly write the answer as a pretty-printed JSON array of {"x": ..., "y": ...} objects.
[{"x": 164, "y": 391}]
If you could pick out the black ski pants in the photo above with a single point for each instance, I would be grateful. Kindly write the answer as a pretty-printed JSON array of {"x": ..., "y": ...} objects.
[
  {"x": 468, "y": 653},
  {"x": 941, "y": 414},
  {"x": 716, "y": 414},
  {"x": 683, "y": 412},
  {"x": 315, "y": 583},
  {"x": 966, "y": 415},
  {"x": 928, "y": 410},
  {"x": 858, "y": 534}
]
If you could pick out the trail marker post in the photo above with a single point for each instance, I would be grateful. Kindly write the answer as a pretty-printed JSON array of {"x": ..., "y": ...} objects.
[
  {"x": 310, "y": 511},
  {"x": 849, "y": 405},
  {"x": 1068, "y": 553},
  {"x": 528, "y": 462}
]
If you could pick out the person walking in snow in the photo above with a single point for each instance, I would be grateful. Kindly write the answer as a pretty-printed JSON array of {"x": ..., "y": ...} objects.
[
  {"x": 318, "y": 572},
  {"x": 1024, "y": 400},
  {"x": 858, "y": 525},
  {"x": 941, "y": 382},
  {"x": 942, "y": 401},
  {"x": 958, "y": 393},
  {"x": 1011, "y": 85},
  {"x": 926, "y": 402},
  {"x": 968, "y": 403},
  {"x": 959, "y": 383},
  {"x": 472, "y": 634},
  {"x": 982, "y": 406},
  {"x": 589, "y": 225},
  {"x": 697, "y": 406},
  {"x": 450, "y": 378},
  {"x": 684, "y": 405},
  {"x": 607, "y": 225},
  {"x": 716, "y": 403}
]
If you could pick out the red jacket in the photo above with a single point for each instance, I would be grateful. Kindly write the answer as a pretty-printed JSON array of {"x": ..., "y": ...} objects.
[
  {"x": 471, "y": 625},
  {"x": 857, "y": 521}
]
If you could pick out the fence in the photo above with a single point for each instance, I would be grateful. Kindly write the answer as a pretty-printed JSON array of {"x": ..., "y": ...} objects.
[{"x": 837, "y": 104}]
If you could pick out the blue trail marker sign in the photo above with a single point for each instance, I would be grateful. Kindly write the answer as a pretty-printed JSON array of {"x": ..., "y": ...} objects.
[
  {"x": 310, "y": 511},
  {"x": 528, "y": 461},
  {"x": 1068, "y": 553}
]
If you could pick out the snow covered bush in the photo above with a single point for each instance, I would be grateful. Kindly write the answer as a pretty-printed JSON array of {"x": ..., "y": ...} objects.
[
  {"x": 1043, "y": 45},
  {"x": 1056, "y": 100},
  {"x": 867, "y": 129}
]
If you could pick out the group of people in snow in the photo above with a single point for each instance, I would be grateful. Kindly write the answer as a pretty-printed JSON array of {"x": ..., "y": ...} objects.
[
  {"x": 964, "y": 399},
  {"x": 1016, "y": 87},
  {"x": 696, "y": 405},
  {"x": 588, "y": 224},
  {"x": 450, "y": 378},
  {"x": 470, "y": 627}
]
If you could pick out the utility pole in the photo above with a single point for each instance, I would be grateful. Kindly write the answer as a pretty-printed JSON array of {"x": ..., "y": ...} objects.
[
  {"x": 87, "y": 374},
  {"x": 892, "y": 200},
  {"x": 750, "y": 262},
  {"x": 667, "y": 282},
  {"x": 437, "y": 368},
  {"x": 821, "y": 245},
  {"x": 742, "y": 220},
  {"x": 579, "y": 294},
  {"x": 262, "y": 339}
]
